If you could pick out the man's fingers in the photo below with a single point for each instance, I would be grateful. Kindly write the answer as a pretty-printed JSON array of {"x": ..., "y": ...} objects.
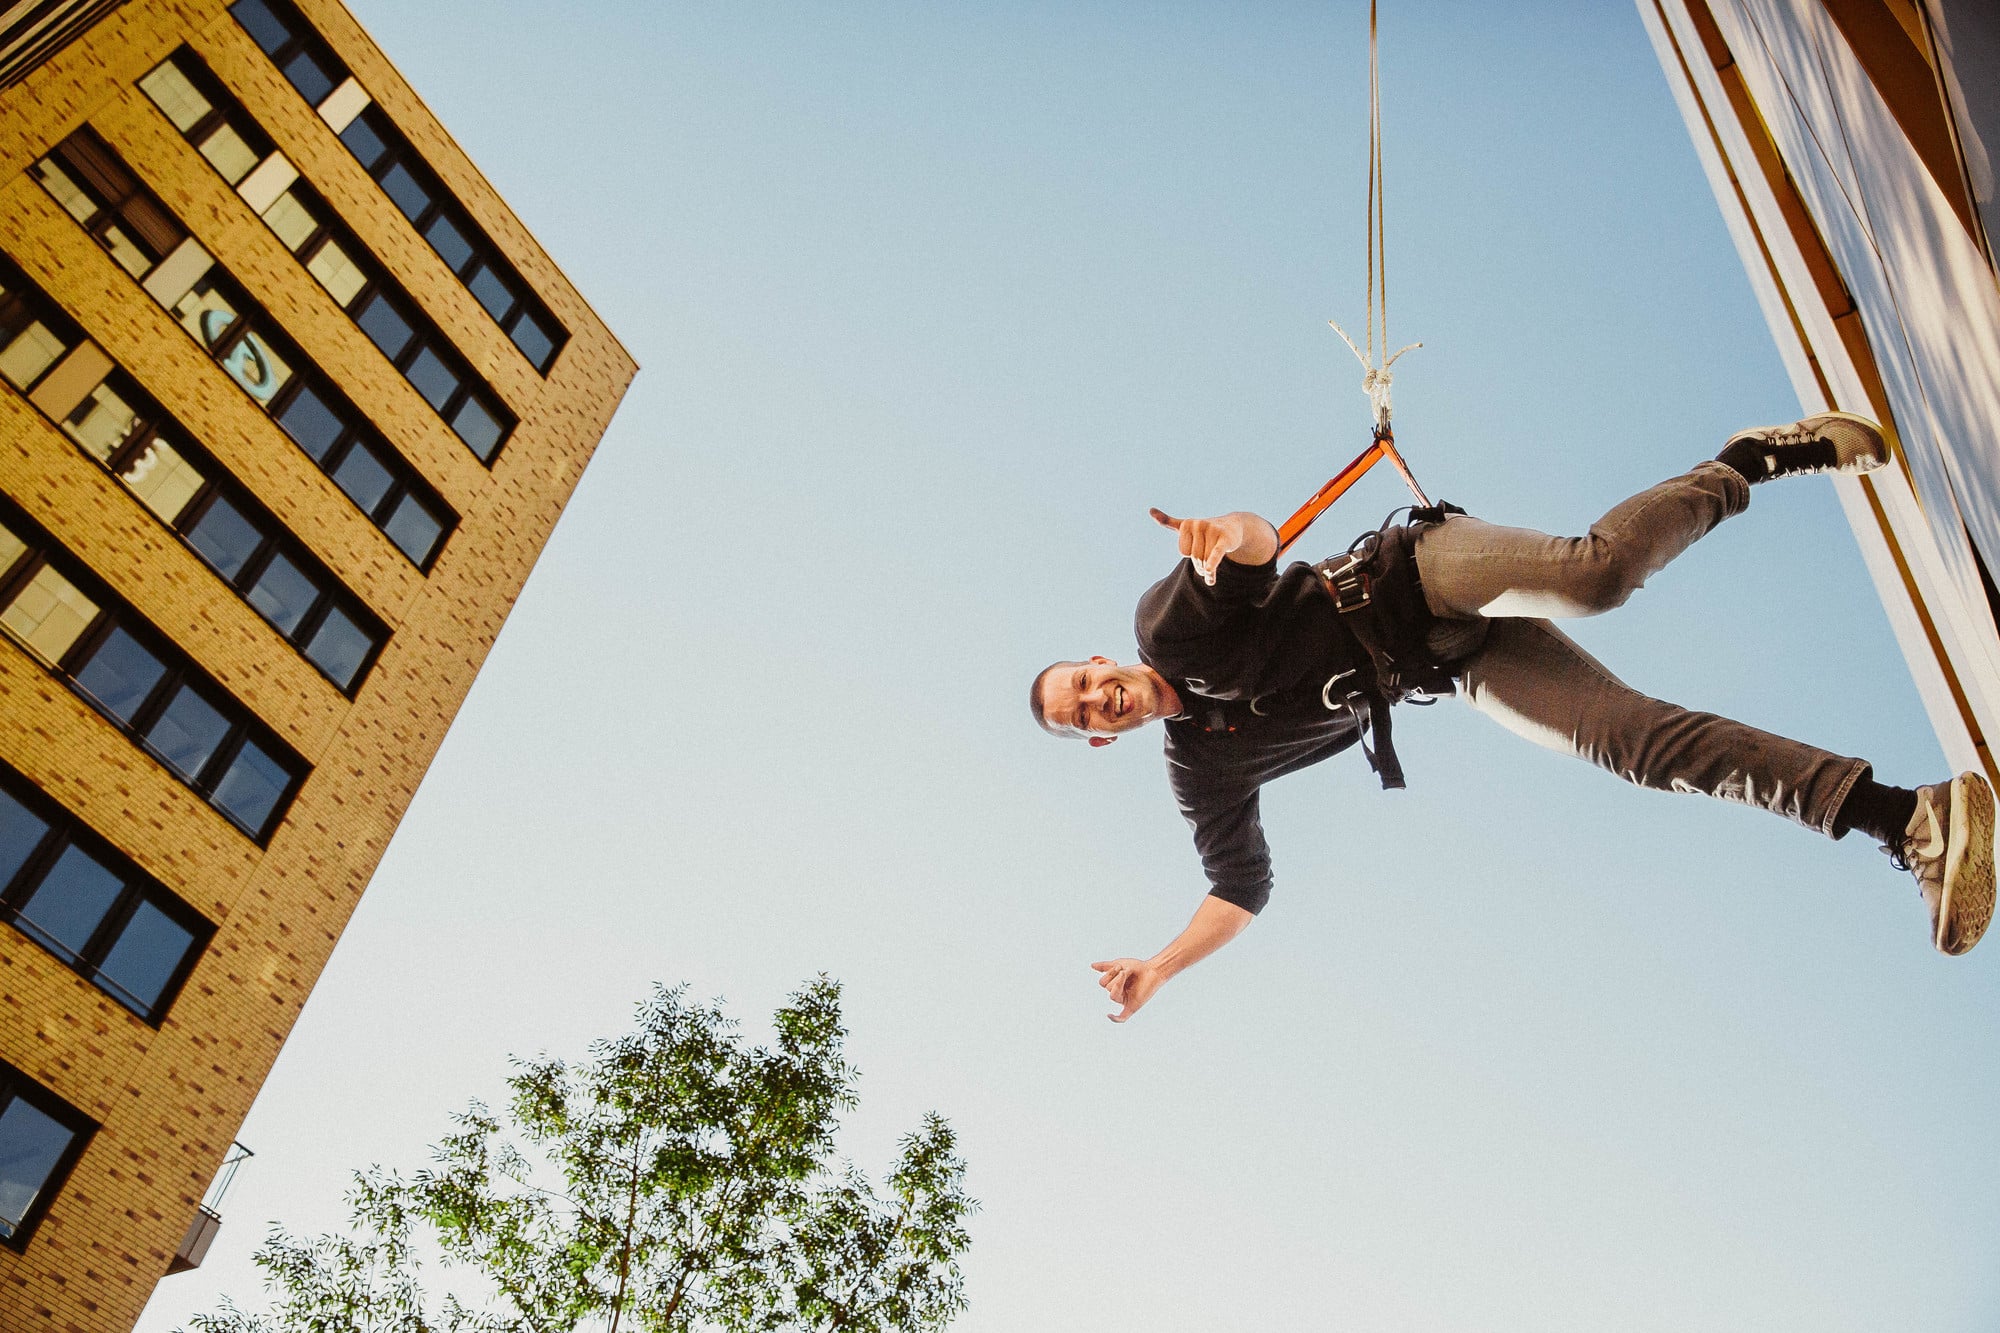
[{"x": 1102, "y": 967}]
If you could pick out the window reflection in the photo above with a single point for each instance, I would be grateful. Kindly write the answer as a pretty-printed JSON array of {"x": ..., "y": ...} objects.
[
  {"x": 49, "y": 615},
  {"x": 340, "y": 647},
  {"x": 173, "y": 94},
  {"x": 32, "y": 1144},
  {"x": 187, "y": 733},
  {"x": 362, "y": 475},
  {"x": 229, "y": 153},
  {"x": 414, "y": 529},
  {"x": 291, "y": 220},
  {"x": 120, "y": 674},
  {"x": 284, "y": 593},
  {"x": 150, "y": 949},
  {"x": 252, "y": 787},
  {"x": 224, "y": 537},
  {"x": 68, "y": 905},
  {"x": 384, "y": 325},
  {"x": 252, "y": 364},
  {"x": 21, "y": 832},
  {"x": 337, "y": 272},
  {"x": 432, "y": 378},
  {"x": 163, "y": 479},
  {"x": 101, "y": 422},
  {"x": 206, "y": 313},
  {"x": 72, "y": 196},
  {"x": 31, "y": 352},
  {"x": 312, "y": 423}
]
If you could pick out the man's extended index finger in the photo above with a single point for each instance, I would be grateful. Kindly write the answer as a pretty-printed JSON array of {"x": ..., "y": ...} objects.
[{"x": 1164, "y": 519}]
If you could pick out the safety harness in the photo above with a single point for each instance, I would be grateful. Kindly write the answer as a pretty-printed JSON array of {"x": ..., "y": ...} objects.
[{"x": 1412, "y": 655}]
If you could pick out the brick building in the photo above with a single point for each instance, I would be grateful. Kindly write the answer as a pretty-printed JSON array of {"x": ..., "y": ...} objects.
[
  {"x": 1850, "y": 145},
  {"x": 290, "y": 403}
]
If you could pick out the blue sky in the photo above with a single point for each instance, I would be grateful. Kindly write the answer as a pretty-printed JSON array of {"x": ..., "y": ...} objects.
[{"x": 932, "y": 302}]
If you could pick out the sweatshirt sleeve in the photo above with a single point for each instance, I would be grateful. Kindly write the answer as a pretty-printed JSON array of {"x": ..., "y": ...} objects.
[
  {"x": 1229, "y": 837},
  {"x": 1181, "y": 615}
]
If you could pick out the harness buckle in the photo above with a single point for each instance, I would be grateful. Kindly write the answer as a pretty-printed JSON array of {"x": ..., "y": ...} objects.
[{"x": 1347, "y": 582}]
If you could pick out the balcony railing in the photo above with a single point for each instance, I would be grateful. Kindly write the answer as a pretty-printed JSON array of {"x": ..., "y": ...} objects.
[{"x": 208, "y": 1217}]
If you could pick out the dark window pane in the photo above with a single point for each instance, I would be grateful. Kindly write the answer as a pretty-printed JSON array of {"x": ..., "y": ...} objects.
[
  {"x": 187, "y": 733},
  {"x": 364, "y": 477},
  {"x": 120, "y": 674},
  {"x": 31, "y": 1144},
  {"x": 385, "y": 327},
  {"x": 225, "y": 538},
  {"x": 362, "y": 141},
  {"x": 21, "y": 831},
  {"x": 414, "y": 529},
  {"x": 252, "y": 787},
  {"x": 70, "y": 902},
  {"x": 313, "y": 80},
  {"x": 339, "y": 647},
  {"x": 310, "y": 421},
  {"x": 534, "y": 341},
  {"x": 436, "y": 381},
  {"x": 284, "y": 593},
  {"x": 478, "y": 427},
  {"x": 405, "y": 191},
  {"x": 449, "y": 242},
  {"x": 492, "y": 290},
  {"x": 148, "y": 953},
  {"x": 264, "y": 27}
]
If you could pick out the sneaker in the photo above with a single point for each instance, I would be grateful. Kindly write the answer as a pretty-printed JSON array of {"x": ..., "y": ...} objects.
[
  {"x": 1829, "y": 442},
  {"x": 1949, "y": 848}
]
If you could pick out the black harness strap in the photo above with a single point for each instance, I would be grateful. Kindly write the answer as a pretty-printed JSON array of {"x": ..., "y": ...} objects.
[{"x": 1376, "y": 589}]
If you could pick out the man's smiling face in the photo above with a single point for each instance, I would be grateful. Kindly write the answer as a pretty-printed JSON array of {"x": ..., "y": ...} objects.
[{"x": 1100, "y": 698}]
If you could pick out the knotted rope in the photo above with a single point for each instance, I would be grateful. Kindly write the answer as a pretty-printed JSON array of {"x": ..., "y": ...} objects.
[{"x": 1375, "y": 357}]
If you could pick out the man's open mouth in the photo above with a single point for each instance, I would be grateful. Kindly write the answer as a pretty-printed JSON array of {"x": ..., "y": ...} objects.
[{"x": 1122, "y": 705}]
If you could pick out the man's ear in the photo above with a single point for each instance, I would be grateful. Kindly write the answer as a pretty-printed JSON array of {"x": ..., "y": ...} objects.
[
  {"x": 1096, "y": 741},
  {"x": 1103, "y": 661}
]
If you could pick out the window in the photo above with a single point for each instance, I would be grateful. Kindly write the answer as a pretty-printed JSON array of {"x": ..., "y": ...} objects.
[
  {"x": 191, "y": 98},
  {"x": 41, "y": 1136},
  {"x": 96, "y": 188},
  {"x": 122, "y": 428},
  {"x": 141, "y": 683},
  {"x": 32, "y": 338},
  {"x": 305, "y": 59},
  {"x": 321, "y": 422},
  {"x": 71, "y": 892},
  {"x": 208, "y": 509},
  {"x": 357, "y": 283}
]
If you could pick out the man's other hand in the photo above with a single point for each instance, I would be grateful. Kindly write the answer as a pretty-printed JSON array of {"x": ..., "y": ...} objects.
[
  {"x": 1209, "y": 541},
  {"x": 1129, "y": 982}
]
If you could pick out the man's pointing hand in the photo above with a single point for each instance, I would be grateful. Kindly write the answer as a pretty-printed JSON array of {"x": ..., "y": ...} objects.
[{"x": 1208, "y": 541}]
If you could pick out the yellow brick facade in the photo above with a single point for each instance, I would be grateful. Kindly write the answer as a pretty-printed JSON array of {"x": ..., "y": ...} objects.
[{"x": 170, "y": 1100}]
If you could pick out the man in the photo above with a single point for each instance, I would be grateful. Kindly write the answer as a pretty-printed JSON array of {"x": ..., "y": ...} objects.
[{"x": 1257, "y": 673}]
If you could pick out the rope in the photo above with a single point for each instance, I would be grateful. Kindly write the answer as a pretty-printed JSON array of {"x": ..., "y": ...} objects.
[{"x": 1375, "y": 357}]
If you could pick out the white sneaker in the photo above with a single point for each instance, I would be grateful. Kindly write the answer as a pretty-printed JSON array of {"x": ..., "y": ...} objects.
[
  {"x": 1948, "y": 846},
  {"x": 1828, "y": 442}
]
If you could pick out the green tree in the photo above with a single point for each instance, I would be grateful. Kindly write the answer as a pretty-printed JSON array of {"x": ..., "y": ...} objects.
[{"x": 679, "y": 1180}]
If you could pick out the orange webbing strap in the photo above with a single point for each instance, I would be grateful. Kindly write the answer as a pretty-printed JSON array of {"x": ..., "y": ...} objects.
[
  {"x": 1324, "y": 497},
  {"x": 1382, "y": 446}
]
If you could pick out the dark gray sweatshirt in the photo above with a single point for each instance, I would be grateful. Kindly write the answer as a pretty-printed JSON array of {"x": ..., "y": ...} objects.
[{"x": 1250, "y": 658}]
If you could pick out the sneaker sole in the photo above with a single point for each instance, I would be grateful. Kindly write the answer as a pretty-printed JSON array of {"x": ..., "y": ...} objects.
[{"x": 1966, "y": 906}]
